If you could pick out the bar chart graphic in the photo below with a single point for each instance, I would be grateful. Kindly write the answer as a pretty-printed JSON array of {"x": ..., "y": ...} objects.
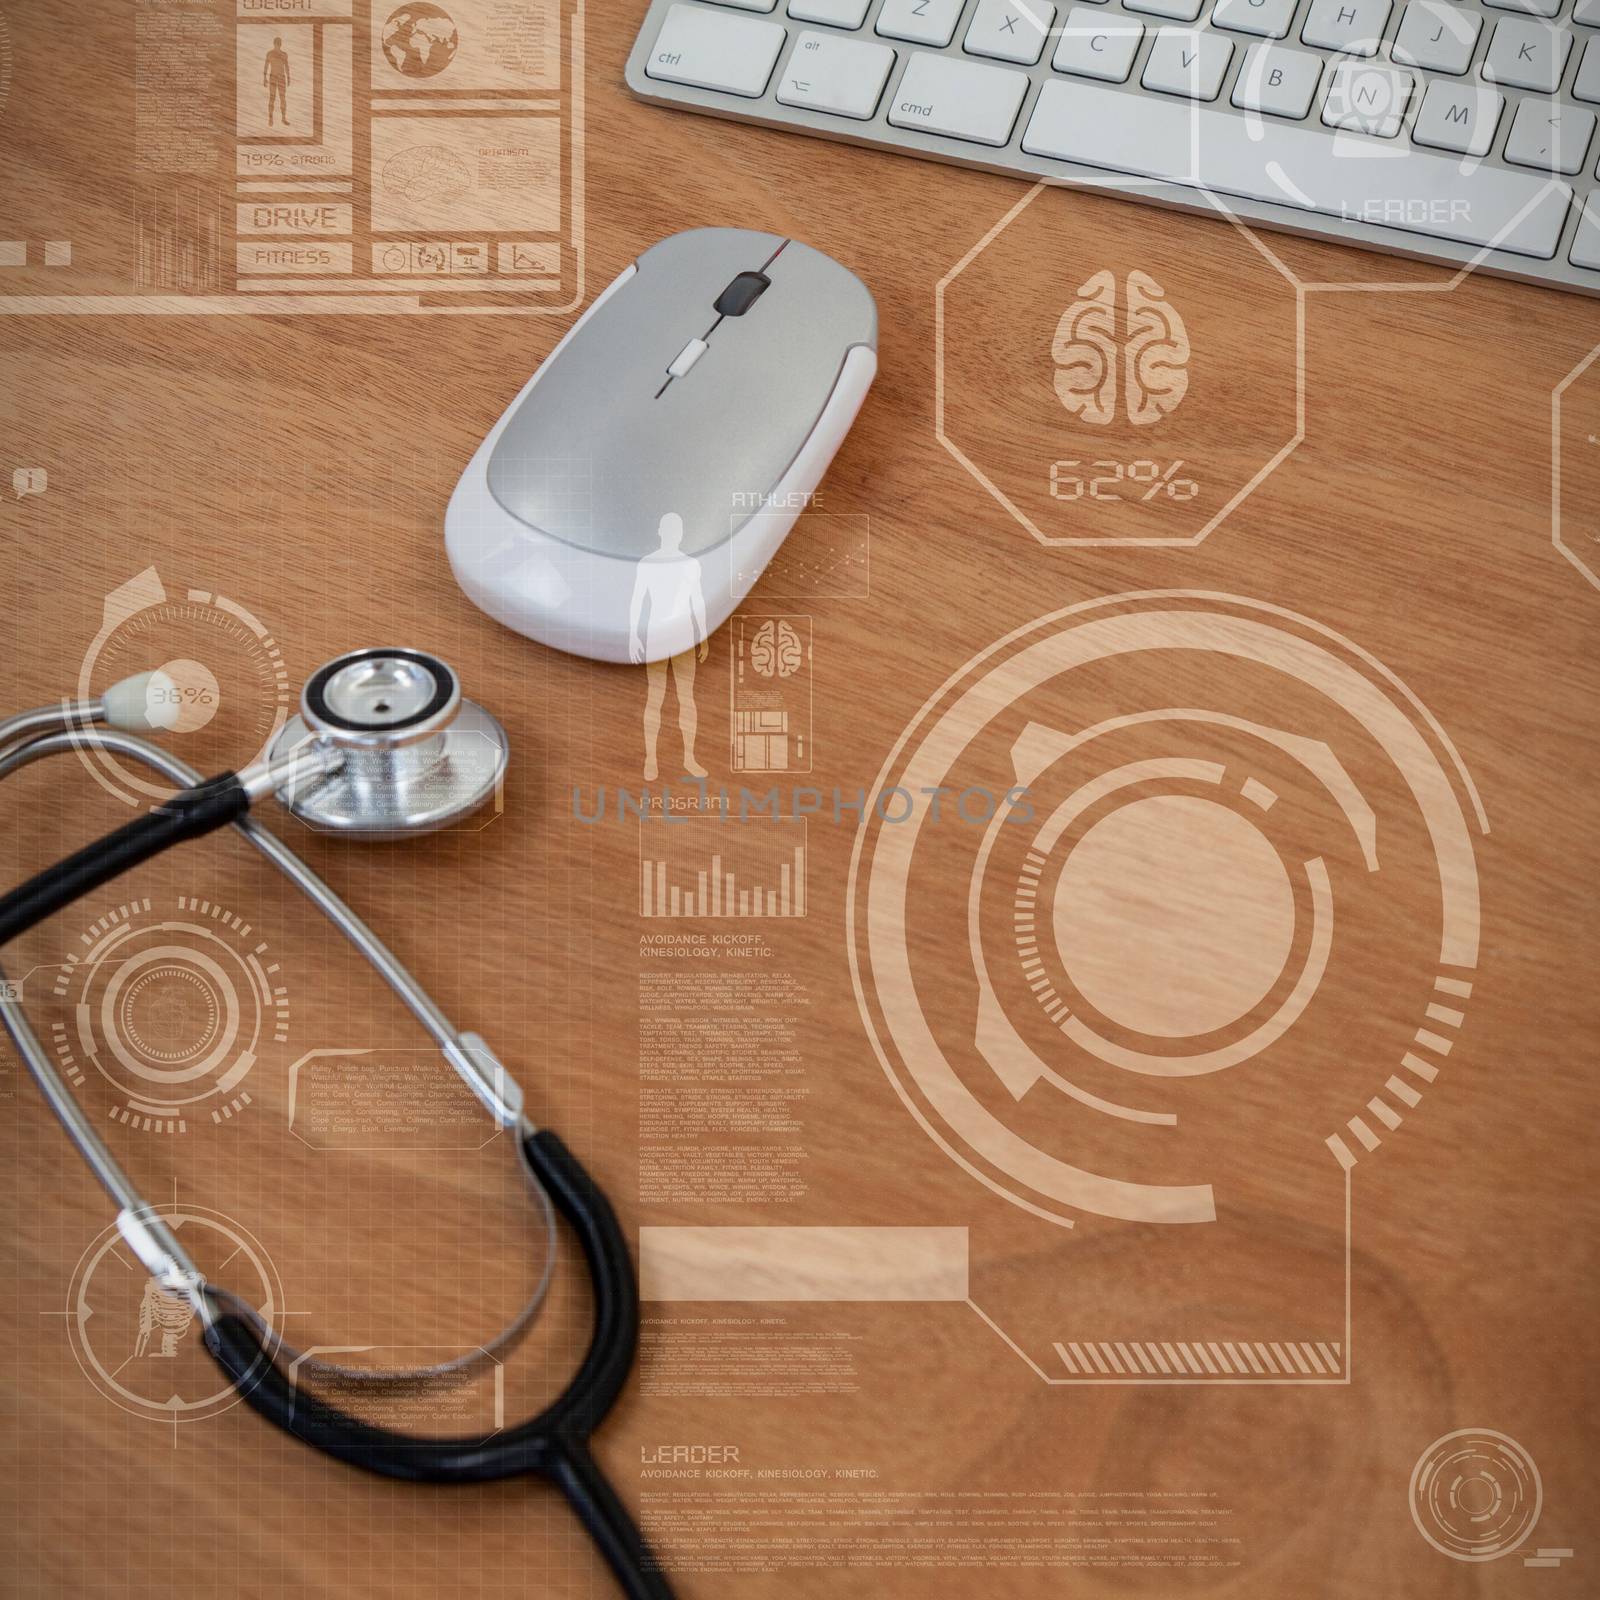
[{"x": 716, "y": 867}]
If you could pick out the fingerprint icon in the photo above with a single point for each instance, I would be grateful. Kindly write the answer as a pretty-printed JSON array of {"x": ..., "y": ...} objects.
[{"x": 1147, "y": 358}]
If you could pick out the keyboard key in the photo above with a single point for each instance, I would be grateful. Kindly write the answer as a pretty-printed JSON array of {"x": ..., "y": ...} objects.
[
  {"x": 1437, "y": 36},
  {"x": 920, "y": 21},
  {"x": 1586, "y": 86},
  {"x": 1527, "y": 55},
  {"x": 1553, "y": 138},
  {"x": 1459, "y": 117},
  {"x": 1010, "y": 31},
  {"x": 836, "y": 13},
  {"x": 1278, "y": 80},
  {"x": 1586, "y": 245},
  {"x": 1175, "y": 10},
  {"x": 1354, "y": 27},
  {"x": 1266, "y": 19},
  {"x": 750, "y": 5},
  {"x": 844, "y": 77},
  {"x": 1095, "y": 44},
  {"x": 714, "y": 50},
  {"x": 1532, "y": 8},
  {"x": 1299, "y": 168},
  {"x": 1587, "y": 12},
  {"x": 958, "y": 99},
  {"x": 1187, "y": 61},
  {"x": 1367, "y": 99}
]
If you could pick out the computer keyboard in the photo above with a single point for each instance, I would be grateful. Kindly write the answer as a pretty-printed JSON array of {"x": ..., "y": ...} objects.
[{"x": 1461, "y": 131}]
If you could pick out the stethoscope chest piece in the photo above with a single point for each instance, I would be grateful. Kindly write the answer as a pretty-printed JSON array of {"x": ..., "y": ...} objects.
[{"x": 416, "y": 756}]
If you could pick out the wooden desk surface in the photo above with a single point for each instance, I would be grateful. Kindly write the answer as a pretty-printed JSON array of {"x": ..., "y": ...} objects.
[{"x": 286, "y": 477}]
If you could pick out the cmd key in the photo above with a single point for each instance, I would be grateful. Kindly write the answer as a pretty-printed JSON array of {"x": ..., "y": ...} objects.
[{"x": 958, "y": 99}]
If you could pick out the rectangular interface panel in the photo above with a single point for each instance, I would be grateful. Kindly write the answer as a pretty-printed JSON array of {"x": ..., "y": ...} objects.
[{"x": 356, "y": 156}]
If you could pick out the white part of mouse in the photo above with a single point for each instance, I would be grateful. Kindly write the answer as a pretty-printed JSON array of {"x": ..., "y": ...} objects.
[{"x": 636, "y": 488}]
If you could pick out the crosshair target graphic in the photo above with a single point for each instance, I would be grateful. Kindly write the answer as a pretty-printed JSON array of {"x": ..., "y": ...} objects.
[
  {"x": 171, "y": 1011},
  {"x": 1231, "y": 832},
  {"x": 139, "y": 1346}
]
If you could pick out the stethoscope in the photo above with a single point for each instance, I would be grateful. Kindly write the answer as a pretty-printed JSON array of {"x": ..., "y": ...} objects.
[{"x": 384, "y": 745}]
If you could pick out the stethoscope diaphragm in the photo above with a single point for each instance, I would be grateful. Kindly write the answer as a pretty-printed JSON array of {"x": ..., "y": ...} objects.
[{"x": 417, "y": 755}]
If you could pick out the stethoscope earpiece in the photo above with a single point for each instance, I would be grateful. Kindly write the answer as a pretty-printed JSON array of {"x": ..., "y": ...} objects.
[{"x": 414, "y": 754}]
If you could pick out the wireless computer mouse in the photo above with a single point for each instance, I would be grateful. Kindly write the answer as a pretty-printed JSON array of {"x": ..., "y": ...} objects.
[{"x": 637, "y": 486}]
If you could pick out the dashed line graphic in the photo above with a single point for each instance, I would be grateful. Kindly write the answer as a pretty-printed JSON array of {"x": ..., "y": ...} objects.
[
  {"x": 1201, "y": 1358},
  {"x": 1382, "y": 1111}
]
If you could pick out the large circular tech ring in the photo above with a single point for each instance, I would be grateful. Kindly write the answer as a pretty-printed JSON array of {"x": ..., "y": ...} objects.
[
  {"x": 1046, "y": 649},
  {"x": 160, "y": 1093}
]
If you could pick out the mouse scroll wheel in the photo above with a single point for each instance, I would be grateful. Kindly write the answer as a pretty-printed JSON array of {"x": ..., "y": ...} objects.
[{"x": 742, "y": 293}]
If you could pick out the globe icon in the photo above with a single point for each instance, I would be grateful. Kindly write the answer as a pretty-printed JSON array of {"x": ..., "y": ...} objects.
[{"x": 420, "y": 40}]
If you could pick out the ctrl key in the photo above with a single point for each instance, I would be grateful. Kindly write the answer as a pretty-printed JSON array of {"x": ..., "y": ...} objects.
[{"x": 713, "y": 50}]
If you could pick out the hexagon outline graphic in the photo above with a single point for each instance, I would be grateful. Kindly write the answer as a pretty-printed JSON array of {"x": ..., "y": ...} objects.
[
  {"x": 1081, "y": 541},
  {"x": 1555, "y": 467}
]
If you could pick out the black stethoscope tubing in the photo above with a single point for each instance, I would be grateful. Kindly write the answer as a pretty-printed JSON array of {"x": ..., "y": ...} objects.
[{"x": 555, "y": 1443}]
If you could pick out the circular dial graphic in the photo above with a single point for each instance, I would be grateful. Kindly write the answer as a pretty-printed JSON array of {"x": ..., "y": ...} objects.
[
  {"x": 140, "y": 1346},
  {"x": 224, "y": 696},
  {"x": 1226, "y": 831},
  {"x": 1475, "y": 1494},
  {"x": 172, "y": 1011}
]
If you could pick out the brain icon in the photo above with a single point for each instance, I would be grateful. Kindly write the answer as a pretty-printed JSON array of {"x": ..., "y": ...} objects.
[
  {"x": 1085, "y": 351},
  {"x": 1154, "y": 352},
  {"x": 1157, "y": 352},
  {"x": 427, "y": 173},
  {"x": 775, "y": 651}
]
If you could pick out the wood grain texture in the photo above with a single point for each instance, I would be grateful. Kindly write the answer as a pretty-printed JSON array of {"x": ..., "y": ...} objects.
[{"x": 300, "y": 467}]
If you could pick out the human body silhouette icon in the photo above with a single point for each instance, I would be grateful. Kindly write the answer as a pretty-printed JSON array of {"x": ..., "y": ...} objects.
[
  {"x": 665, "y": 581},
  {"x": 164, "y": 1318},
  {"x": 275, "y": 80}
]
